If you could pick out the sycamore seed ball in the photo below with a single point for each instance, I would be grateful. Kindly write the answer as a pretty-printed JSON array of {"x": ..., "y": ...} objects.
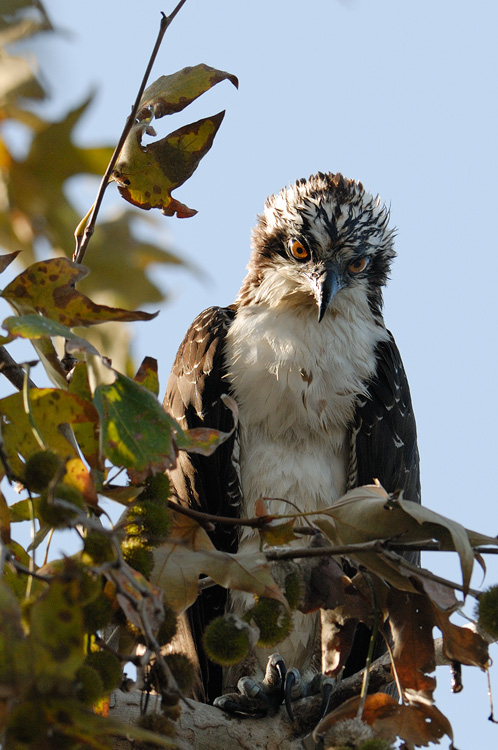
[
  {"x": 272, "y": 619},
  {"x": 168, "y": 627},
  {"x": 40, "y": 469},
  {"x": 182, "y": 670},
  {"x": 487, "y": 611},
  {"x": 138, "y": 556},
  {"x": 377, "y": 743},
  {"x": 108, "y": 667},
  {"x": 226, "y": 642},
  {"x": 158, "y": 723},
  {"x": 89, "y": 685},
  {"x": 55, "y": 514}
]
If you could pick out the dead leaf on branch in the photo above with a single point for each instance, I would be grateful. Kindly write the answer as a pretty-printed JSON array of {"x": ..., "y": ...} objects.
[
  {"x": 411, "y": 619},
  {"x": 417, "y": 724},
  {"x": 190, "y": 553},
  {"x": 368, "y": 514},
  {"x": 147, "y": 174}
]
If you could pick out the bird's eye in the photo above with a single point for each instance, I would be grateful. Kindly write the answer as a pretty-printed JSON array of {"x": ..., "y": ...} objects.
[
  {"x": 359, "y": 265},
  {"x": 298, "y": 250}
]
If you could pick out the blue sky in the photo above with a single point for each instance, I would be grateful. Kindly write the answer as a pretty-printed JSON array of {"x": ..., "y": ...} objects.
[{"x": 402, "y": 96}]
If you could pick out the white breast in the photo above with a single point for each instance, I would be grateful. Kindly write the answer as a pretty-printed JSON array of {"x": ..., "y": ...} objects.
[{"x": 296, "y": 382}]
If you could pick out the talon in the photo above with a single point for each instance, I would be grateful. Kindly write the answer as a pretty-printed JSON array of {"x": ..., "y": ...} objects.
[
  {"x": 290, "y": 681},
  {"x": 327, "y": 690},
  {"x": 233, "y": 707}
]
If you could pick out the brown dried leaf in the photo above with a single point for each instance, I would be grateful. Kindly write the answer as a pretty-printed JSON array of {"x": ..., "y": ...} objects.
[
  {"x": 417, "y": 724},
  {"x": 412, "y": 621}
]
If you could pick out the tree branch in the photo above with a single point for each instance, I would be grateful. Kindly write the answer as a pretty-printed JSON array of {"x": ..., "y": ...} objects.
[{"x": 83, "y": 236}]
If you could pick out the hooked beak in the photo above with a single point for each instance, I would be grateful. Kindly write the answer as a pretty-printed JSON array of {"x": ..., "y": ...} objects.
[{"x": 326, "y": 286}]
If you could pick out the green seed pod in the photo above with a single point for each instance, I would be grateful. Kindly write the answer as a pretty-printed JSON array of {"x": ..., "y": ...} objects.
[
  {"x": 226, "y": 640},
  {"x": 150, "y": 520},
  {"x": 182, "y": 670},
  {"x": 108, "y": 666},
  {"x": 156, "y": 488},
  {"x": 89, "y": 685},
  {"x": 293, "y": 589},
  {"x": 98, "y": 613},
  {"x": 40, "y": 469},
  {"x": 487, "y": 611},
  {"x": 376, "y": 743},
  {"x": 138, "y": 556},
  {"x": 167, "y": 630},
  {"x": 272, "y": 619},
  {"x": 58, "y": 515},
  {"x": 157, "y": 723},
  {"x": 99, "y": 547}
]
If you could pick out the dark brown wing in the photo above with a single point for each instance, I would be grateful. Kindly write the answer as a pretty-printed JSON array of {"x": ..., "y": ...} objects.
[
  {"x": 384, "y": 447},
  {"x": 385, "y": 433},
  {"x": 210, "y": 484}
]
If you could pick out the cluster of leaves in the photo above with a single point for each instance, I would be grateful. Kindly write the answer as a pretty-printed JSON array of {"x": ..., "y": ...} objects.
[{"x": 35, "y": 211}]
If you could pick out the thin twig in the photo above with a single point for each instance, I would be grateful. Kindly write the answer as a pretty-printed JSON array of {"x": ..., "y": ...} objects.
[
  {"x": 83, "y": 239},
  {"x": 12, "y": 370}
]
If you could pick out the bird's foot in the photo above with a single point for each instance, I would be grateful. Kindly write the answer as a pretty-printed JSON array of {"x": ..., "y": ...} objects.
[
  {"x": 257, "y": 699},
  {"x": 295, "y": 687}
]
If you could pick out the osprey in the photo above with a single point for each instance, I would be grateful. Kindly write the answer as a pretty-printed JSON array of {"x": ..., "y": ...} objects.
[{"x": 323, "y": 400}]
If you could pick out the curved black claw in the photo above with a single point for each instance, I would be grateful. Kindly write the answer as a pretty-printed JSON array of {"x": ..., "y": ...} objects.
[
  {"x": 327, "y": 688},
  {"x": 292, "y": 681}
]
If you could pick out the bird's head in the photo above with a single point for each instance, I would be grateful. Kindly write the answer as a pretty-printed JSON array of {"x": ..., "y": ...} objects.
[{"x": 320, "y": 242}]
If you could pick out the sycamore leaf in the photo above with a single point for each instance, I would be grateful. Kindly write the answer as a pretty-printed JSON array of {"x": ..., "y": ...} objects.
[
  {"x": 50, "y": 407},
  {"x": 417, "y": 724},
  {"x": 47, "y": 287},
  {"x": 274, "y": 533},
  {"x": 78, "y": 476},
  {"x": 140, "y": 600},
  {"x": 56, "y": 620},
  {"x": 136, "y": 432},
  {"x": 368, "y": 513},
  {"x": 170, "y": 94},
  {"x": 6, "y": 260},
  {"x": 35, "y": 326},
  {"x": 146, "y": 175},
  {"x": 411, "y": 619},
  {"x": 4, "y": 520},
  {"x": 177, "y": 569},
  {"x": 87, "y": 434},
  {"x": 147, "y": 375}
]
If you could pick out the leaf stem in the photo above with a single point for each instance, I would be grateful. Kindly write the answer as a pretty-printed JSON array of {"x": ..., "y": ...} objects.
[{"x": 83, "y": 237}]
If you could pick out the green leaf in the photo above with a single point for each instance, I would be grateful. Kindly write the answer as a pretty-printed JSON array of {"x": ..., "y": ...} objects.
[
  {"x": 136, "y": 432},
  {"x": 147, "y": 375},
  {"x": 35, "y": 326},
  {"x": 169, "y": 94},
  {"x": 50, "y": 407},
  {"x": 48, "y": 288},
  {"x": 56, "y": 630}
]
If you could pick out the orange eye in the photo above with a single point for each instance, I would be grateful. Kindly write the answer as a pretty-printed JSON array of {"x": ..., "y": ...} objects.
[
  {"x": 298, "y": 251},
  {"x": 359, "y": 265}
]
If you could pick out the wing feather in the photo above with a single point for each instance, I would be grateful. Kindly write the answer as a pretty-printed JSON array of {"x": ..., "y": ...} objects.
[{"x": 211, "y": 484}]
